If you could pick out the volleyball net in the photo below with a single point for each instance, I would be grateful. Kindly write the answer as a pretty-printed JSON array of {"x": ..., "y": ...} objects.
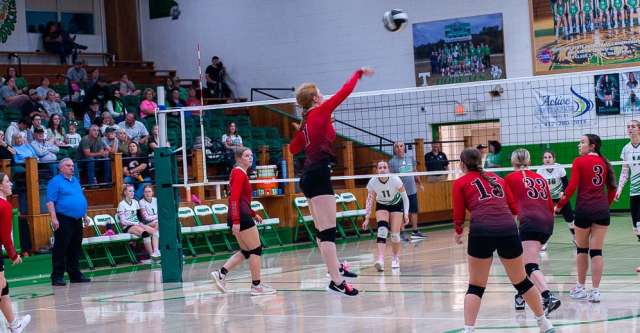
[{"x": 536, "y": 113}]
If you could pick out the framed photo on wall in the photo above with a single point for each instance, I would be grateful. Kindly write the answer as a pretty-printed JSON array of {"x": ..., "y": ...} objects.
[{"x": 607, "y": 94}]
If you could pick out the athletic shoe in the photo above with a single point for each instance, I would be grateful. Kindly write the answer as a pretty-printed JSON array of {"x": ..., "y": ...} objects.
[
  {"x": 379, "y": 265},
  {"x": 544, "y": 247},
  {"x": 146, "y": 261},
  {"x": 418, "y": 235},
  {"x": 155, "y": 256},
  {"x": 551, "y": 304},
  {"x": 395, "y": 263},
  {"x": 344, "y": 270},
  {"x": 578, "y": 292},
  {"x": 19, "y": 324},
  {"x": 594, "y": 296},
  {"x": 262, "y": 289},
  {"x": 545, "y": 325},
  {"x": 519, "y": 302},
  {"x": 468, "y": 329},
  {"x": 219, "y": 279},
  {"x": 344, "y": 289}
]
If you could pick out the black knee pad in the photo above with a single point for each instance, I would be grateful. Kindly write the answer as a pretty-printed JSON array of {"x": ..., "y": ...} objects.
[
  {"x": 145, "y": 234},
  {"x": 595, "y": 252},
  {"x": 475, "y": 290},
  {"x": 5, "y": 290},
  {"x": 245, "y": 253},
  {"x": 257, "y": 251},
  {"x": 582, "y": 250},
  {"x": 327, "y": 235},
  {"x": 523, "y": 286},
  {"x": 383, "y": 232},
  {"x": 530, "y": 268}
]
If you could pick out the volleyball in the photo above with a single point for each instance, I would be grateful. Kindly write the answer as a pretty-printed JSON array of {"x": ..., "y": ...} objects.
[{"x": 395, "y": 20}]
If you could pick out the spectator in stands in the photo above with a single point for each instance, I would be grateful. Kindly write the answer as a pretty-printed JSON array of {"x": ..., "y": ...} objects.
[
  {"x": 136, "y": 169},
  {"x": 126, "y": 86},
  {"x": 72, "y": 138},
  {"x": 493, "y": 157},
  {"x": 45, "y": 151},
  {"x": 76, "y": 75},
  {"x": 232, "y": 139},
  {"x": 10, "y": 96},
  {"x": 149, "y": 207},
  {"x": 36, "y": 122},
  {"x": 154, "y": 141},
  {"x": 55, "y": 132},
  {"x": 93, "y": 112},
  {"x": 53, "y": 105},
  {"x": 175, "y": 101},
  {"x": 110, "y": 141},
  {"x": 115, "y": 105},
  {"x": 169, "y": 84},
  {"x": 91, "y": 148},
  {"x": 57, "y": 41},
  {"x": 123, "y": 141},
  {"x": 19, "y": 127},
  {"x": 108, "y": 122},
  {"x": 215, "y": 74},
  {"x": 44, "y": 88},
  {"x": 6, "y": 151},
  {"x": 21, "y": 82},
  {"x": 135, "y": 130},
  {"x": 193, "y": 99},
  {"x": 23, "y": 149},
  {"x": 436, "y": 160},
  {"x": 148, "y": 106},
  {"x": 128, "y": 215},
  {"x": 33, "y": 107},
  {"x": 94, "y": 76}
]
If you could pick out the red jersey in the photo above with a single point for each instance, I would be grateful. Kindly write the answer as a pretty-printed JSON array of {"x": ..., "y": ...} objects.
[
  {"x": 533, "y": 197},
  {"x": 589, "y": 177},
  {"x": 240, "y": 198},
  {"x": 492, "y": 207},
  {"x": 6, "y": 228},
  {"x": 316, "y": 138}
]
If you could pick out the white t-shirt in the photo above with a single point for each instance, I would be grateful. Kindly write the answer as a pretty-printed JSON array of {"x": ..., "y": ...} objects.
[
  {"x": 73, "y": 139},
  {"x": 386, "y": 193},
  {"x": 631, "y": 156},
  {"x": 149, "y": 209},
  {"x": 553, "y": 174},
  {"x": 128, "y": 213}
]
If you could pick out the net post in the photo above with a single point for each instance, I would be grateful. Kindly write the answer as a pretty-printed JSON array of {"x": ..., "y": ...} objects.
[
  {"x": 169, "y": 225},
  {"x": 162, "y": 129}
]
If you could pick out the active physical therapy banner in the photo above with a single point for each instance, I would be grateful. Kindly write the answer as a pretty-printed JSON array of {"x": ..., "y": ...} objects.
[
  {"x": 580, "y": 35},
  {"x": 569, "y": 108},
  {"x": 459, "y": 50}
]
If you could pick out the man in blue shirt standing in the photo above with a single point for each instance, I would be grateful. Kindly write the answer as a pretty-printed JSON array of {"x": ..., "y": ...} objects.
[{"x": 68, "y": 209}]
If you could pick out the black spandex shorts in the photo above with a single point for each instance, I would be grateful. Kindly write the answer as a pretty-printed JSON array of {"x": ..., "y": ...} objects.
[
  {"x": 482, "y": 247},
  {"x": 566, "y": 211},
  {"x": 246, "y": 222},
  {"x": 634, "y": 203},
  {"x": 390, "y": 208},
  {"x": 413, "y": 203},
  {"x": 541, "y": 237},
  {"x": 584, "y": 223},
  {"x": 1, "y": 263},
  {"x": 126, "y": 228},
  {"x": 316, "y": 180}
]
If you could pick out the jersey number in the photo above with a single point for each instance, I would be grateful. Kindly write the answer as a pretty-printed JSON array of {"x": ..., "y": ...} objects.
[
  {"x": 597, "y": 178},
  {"x": 496, "y": 190},
  {"x": 534, "y": 192},
  {"x": 307, "y": 142},
  {"x": 386, "y": 194}
]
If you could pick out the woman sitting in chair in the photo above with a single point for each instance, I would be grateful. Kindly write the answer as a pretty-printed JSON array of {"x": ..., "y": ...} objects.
[{"x": 128, "y": 214}]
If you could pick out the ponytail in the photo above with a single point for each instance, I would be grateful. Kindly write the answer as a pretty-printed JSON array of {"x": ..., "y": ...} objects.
[
  {"x": 305, "y": 94},
  {"x": 521, "y": 159},
  {"x": 472, "y": 160}
]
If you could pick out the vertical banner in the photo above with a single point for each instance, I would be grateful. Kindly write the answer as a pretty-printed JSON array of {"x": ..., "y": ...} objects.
[
  {"x": 607, "y": 94},
  {"x": 630, "y": 92}
]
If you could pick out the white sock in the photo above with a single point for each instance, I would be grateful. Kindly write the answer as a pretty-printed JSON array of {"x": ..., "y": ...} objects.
[
  {"x": 469, "y": 327},
  {"x": 579, "y": 286}
]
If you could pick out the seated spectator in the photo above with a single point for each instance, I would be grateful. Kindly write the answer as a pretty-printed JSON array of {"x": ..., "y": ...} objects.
[
  {"x": 174, "y": 101},
  {"x": 135, "y": 130},
  {"x": 36, "y": 122},
  {"x": 45, "y": 151},
  {"x": 21, "y": 83},
  {"x": 55, "y": 132},
  {"x": 6, "y": 151},
  {"x": 72, "y": 138},
  {"x": 44, "y": 88},
  {"x": 123, "y": 142},
  {"x": 232, "y": 139},
  {"x": 193, "y": 99},
  {"x": 53, "y": 105},
  {"x": 33, "y": 106},
  {"x": 128, "y": 215},
  {"x": 154, "y": 141},
  {"x": 169, "y": 84},
  {"x": 76, "y": 76},
  {"x": 126, "y": 86},
  {"x": 148, "y": 106},
  {"x": 20, "y": 127},
  {"x": 92, "y": 148},
  {"x": 110, "y": 141},
  {"x": 108, "y": 122},
  {"x": 23, "y": 149},
  {"x": 10, "y": 96},
  {"x": 136, "y": 169},
  {"x": 149, "y": 207},
  {"x": 115, "y": 105},
  {"x": 92, "y": 112},
  {"x": 57, "y": 41},
  {"x": 94, "y": 77}
]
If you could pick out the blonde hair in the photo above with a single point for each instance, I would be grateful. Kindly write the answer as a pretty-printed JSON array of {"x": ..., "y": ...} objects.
[
  {"x": 305, "y": 94},
  {"x": 521, "y": 159}
]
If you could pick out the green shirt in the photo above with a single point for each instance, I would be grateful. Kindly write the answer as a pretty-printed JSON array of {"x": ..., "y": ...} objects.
[{"x": 94, "y": 145}]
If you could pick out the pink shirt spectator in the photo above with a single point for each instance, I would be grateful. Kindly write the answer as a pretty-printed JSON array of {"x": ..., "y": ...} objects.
[{"x": 147, "y": 108}]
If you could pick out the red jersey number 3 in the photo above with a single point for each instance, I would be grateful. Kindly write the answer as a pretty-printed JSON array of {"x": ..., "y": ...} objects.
[{"x": 597, "y": 179}]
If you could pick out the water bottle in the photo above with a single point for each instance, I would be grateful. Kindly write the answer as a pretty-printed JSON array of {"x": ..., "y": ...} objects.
[{"x": 283, "y": 167}]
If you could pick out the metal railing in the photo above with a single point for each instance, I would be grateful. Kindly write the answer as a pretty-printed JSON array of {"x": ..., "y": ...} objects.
[{"x": 263, "y": 91}]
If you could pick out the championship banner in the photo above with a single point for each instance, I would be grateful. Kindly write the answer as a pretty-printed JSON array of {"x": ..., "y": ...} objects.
[
  {"x": 581, "y": 35},
  {"x": 563, "y": 110},
  {"x": 459, "y": 50}
]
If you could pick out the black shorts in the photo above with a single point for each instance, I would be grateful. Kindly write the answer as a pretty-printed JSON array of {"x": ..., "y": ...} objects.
[
  {"x": 413, "y": 203},
  {"x": 584, "y": 223},
  {"x": 566, "y": 211},
  {"x": 541, "y": 237},
  {"x": 390, "y": 208},
  {"x": 634, "y": 203},
  {"x": 1, "y": 263},
  {"x": 482, "y": 247},
  {"x": 316, "y": 180},
  {"x": 126, "y": 228},
  {"x": 246, "y": 222}
]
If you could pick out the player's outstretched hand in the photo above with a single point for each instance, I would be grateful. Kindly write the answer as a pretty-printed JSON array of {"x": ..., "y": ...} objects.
[{"x": 367, "y": 71}]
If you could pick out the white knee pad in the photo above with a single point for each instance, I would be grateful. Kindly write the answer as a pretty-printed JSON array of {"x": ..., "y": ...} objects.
[
  {"x": 395, "y": 237},
  {"x": 146, "y": 240},
  {"x": 383, "y": 232}
]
